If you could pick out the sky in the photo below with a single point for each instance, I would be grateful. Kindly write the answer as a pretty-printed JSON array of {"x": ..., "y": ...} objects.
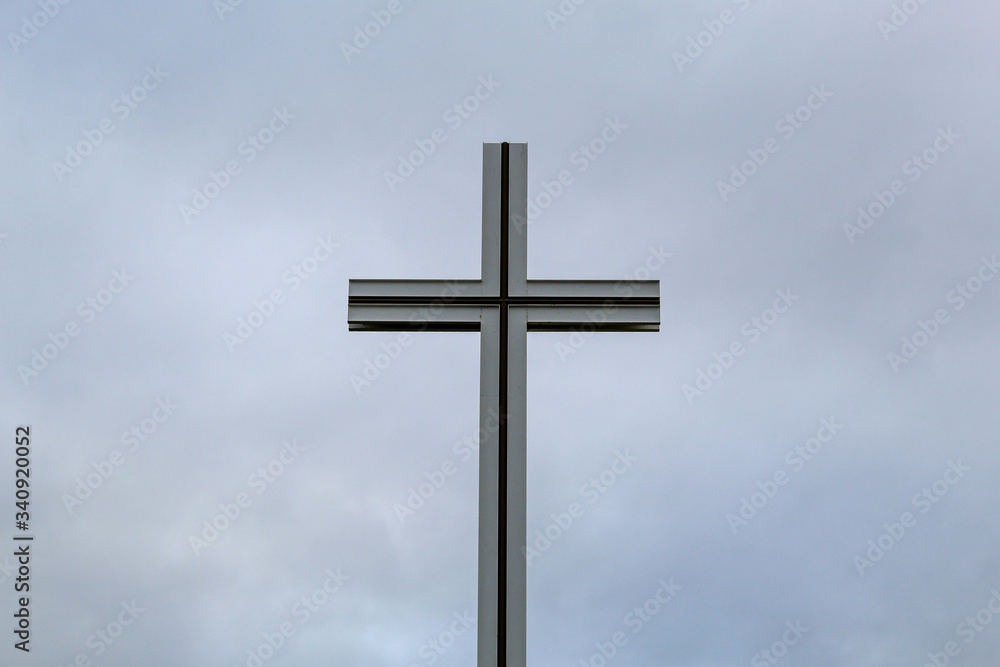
[{"x": 798, "y": 468}]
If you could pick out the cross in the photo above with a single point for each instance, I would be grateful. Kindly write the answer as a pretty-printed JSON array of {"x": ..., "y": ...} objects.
[{"x": 503, "y": 306}]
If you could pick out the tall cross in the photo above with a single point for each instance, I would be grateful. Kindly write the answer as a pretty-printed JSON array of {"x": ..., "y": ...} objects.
[{"x": 503, "y": 306}]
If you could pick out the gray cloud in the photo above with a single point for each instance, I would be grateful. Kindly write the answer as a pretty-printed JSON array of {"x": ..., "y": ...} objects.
[{"x": 320, "y": 550}]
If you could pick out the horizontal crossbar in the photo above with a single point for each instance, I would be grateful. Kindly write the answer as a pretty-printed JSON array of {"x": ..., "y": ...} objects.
[{"x": 456, "y": 305}]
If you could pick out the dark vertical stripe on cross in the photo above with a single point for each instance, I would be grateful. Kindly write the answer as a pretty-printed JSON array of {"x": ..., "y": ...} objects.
[{"x": 502, "y": 500}]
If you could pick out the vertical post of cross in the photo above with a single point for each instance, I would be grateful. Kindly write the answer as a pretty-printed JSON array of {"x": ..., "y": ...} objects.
[{"x": 503, "y": 459}]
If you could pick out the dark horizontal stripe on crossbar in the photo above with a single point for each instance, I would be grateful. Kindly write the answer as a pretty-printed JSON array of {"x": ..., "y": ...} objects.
[
  {"x": 391, "y": 325},
  {"x": 653, "y": 301}
]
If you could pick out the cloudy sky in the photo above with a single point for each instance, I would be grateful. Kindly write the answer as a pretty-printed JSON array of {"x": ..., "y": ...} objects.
[{"x": 810, "y": 438}]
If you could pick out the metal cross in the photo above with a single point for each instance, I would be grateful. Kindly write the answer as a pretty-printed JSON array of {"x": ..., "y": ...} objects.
[{"x": 503, "y": 306}]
